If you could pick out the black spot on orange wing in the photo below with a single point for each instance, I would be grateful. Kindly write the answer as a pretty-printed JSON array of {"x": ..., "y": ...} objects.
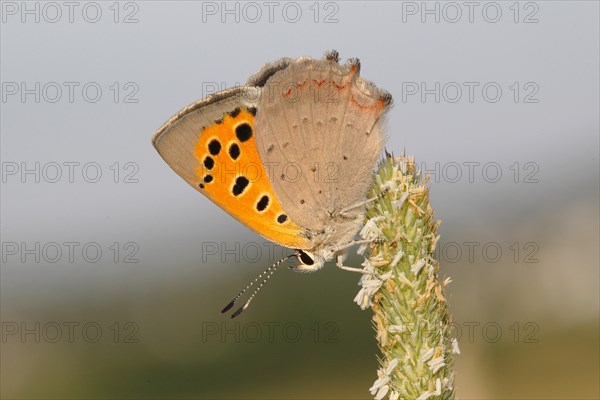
[
  {"x": 262, "y": 203},
  {"x": 209, "y": 163},
  {"x": 235, "y": 112},
  {"x": 243, "y": 132},
  {"x": 234, "y": 151},
  {"x": 214, "y": 147},
  {"x": 241, "y": 183}
]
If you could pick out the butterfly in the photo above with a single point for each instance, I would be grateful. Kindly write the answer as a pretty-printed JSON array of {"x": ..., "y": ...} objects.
[{"x": 290, "y": 154}]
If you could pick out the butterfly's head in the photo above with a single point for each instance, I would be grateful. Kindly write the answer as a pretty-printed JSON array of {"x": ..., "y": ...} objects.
[
  {"x": 314, "y": 259},
  {"x": 309, "y": 261}
]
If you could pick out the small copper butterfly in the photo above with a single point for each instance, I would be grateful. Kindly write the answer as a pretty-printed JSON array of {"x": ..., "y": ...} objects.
[{"x": 290, "y": 155}]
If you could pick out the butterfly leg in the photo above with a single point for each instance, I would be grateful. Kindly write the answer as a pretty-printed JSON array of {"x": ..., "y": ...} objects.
[{"x": 341, "y": 257}]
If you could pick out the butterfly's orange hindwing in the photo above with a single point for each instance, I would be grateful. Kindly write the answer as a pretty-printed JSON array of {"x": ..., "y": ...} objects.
[{"x": 233, "y": 176}]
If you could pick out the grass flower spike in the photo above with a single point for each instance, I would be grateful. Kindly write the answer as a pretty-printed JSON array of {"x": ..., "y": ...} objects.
[{"x": 402, "y": 287}]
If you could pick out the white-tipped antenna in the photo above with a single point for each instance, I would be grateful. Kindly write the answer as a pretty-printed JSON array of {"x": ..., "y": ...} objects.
[{"x": 269, "y": 272}]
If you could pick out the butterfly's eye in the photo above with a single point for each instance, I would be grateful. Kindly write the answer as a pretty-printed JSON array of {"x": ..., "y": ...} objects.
[{"x": 305, "y": 258}]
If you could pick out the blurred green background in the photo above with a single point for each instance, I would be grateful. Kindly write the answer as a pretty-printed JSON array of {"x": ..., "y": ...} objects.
[
  {"x": 526, "y": 319},
  {"x": 525, "y": 330}
]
